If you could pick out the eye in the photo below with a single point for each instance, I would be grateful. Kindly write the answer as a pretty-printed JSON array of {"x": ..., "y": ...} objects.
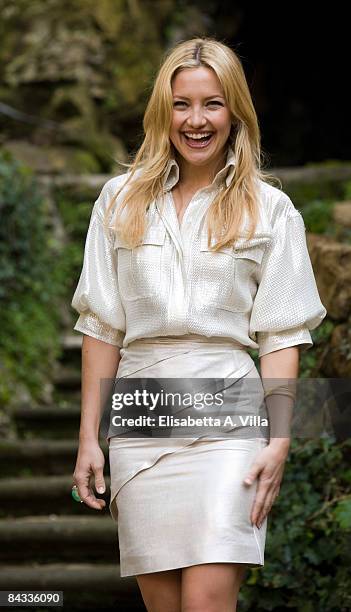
[{"x": 212, "y": 102}]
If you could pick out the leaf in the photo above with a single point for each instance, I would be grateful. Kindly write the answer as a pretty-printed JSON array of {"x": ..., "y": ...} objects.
[{"x": 342, "y": 513}]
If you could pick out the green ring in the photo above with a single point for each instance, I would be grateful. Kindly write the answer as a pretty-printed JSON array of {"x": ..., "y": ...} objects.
[{"x": 75, "y": 495}]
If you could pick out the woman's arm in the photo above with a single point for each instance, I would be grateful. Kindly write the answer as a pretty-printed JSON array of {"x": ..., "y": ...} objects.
[
  {"x": 280, "y": 368},
  {"x": 99, "y": 360},
  {"x": 277, "y": 368}
]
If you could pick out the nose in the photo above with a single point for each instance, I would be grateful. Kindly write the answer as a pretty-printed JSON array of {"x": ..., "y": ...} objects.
[{"x": 196, "y": 118}]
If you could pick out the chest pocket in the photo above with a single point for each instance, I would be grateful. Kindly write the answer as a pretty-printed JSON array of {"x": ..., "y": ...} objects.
[
  {"x": 227, "y": 276},
  {"x": 140, "y": 270}
]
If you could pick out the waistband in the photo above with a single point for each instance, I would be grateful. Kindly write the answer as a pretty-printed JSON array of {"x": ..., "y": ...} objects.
[{"x": 188, "y": 340}]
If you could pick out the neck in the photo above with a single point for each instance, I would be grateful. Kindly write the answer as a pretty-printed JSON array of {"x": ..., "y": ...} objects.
[{"x": 196, "y": 177}]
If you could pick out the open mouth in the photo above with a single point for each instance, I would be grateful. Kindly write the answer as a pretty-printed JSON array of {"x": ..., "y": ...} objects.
[{"x": 198, "y": 143}]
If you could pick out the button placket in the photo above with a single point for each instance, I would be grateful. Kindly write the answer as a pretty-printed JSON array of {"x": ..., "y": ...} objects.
[{"x": 199, "y": 213}]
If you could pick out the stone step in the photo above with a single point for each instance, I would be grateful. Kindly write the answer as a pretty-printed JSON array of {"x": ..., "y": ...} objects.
[
  {"x": 24, "y": 458},
  {"x": 66, "y": 398},
  {"x": 71, "y": 342},
  {"x": 51, "y": 422},
  {"x": 71, "y": 350},
  {"x": 43, "y": 495},
  {"x": 85, "y": 586},
  {"x": 67, "y": 378},
  {"x": 59, "y": 538}
]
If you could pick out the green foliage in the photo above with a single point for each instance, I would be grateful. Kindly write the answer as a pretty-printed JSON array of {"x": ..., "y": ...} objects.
[
  {"x": 303, "y": 193},
  {"x": 31, "y": 279},
  {"x": 347, "y": 190},
  {"x": 308, "y": 552},
  {"x": 318, "y": 216},
  {"x": 309, "y": 358},
  {"x": 74, "y": 211}
]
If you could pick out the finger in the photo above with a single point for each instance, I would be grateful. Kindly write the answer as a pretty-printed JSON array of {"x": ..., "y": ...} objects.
[
  {"x": 257, "y": 506},
  {"x": 253, "y": 473},
  {"x": 262, "y": 492},
  {"x": 90, "y": 500},
  {"x": 99, "y": 479},
  {"x": 86, "y": 494},
  {"x": 267, "y": 506},
  {"x": 89, "y": 497}
]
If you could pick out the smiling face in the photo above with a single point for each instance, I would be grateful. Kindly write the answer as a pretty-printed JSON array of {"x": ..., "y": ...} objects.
[{"x": 199, "y": 108}]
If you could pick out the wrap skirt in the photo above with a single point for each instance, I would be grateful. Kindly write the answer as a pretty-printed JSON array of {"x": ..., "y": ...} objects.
[{"x": 179, "y": 502}]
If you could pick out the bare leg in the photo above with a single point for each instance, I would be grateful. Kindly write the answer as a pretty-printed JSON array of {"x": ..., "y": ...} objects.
[
  {"x": 211, "y": 587},
  {"x": 161, "y": 591}
]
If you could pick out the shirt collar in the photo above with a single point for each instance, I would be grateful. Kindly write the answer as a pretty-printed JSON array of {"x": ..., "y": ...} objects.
[{"x": 172, "y": 172}]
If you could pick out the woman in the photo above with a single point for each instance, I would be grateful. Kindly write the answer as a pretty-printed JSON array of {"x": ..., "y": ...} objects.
[{"x": 191, "y": 258}]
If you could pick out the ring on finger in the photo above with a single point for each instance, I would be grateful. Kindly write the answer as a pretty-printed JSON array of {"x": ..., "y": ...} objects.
[{"x": 75, "y": 494}]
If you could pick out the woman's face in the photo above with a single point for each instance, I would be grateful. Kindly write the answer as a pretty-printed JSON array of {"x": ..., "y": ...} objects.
[{"x": 199, "y": 106}]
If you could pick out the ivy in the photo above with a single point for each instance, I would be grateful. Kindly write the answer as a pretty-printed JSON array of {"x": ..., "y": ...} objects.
[
  {"x": 308, "y": 544},
  {"x": 31, "y": 284}
]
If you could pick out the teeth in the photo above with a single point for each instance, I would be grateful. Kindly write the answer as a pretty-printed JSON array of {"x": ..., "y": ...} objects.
[{"x": 197, "y": 136}]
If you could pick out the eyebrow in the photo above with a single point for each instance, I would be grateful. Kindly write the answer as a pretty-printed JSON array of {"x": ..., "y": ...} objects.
[{"x": 207, "y": 98}]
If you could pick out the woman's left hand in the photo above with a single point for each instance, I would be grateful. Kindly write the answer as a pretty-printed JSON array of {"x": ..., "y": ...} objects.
[{"x": 268, "y": 466}]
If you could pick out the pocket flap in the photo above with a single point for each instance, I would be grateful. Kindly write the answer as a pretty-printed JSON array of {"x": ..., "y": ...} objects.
[
  {"x": 251, "y": 249},
  {"x": 153, "y": 235},
  {"x": 258, "y": 240},
  {"x": 204, "y": 246},
  {"x": 255, "y": 253}
]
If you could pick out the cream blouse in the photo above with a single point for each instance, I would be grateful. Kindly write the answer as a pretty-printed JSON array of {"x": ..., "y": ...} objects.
[{"x": 261, "y": 293}]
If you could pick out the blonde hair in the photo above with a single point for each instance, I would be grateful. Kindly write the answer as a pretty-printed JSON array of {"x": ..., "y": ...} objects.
[{"x": 226, "y": 212}]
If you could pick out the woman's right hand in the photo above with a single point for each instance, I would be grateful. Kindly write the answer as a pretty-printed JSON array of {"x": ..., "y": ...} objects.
[{"x": 90, "y": 462}]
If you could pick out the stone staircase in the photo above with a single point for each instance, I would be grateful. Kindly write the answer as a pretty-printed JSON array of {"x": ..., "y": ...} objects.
[{"x": 49, "y": 541}]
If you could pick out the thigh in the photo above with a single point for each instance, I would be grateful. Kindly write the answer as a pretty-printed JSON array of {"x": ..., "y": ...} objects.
[
  {"x": 211, "y": 586},
  {"x": 161, "y": 590}
]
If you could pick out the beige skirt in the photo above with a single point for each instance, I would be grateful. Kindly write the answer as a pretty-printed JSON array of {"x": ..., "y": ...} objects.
[{"x": 179, "y": 502}]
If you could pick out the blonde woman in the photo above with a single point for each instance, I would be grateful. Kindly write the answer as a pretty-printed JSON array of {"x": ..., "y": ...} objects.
[{"x": 192, "y": 257}]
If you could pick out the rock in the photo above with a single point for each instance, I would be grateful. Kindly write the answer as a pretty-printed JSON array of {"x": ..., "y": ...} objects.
[
  {"x": 342, "y": 213},
  {"x": 331, "y": 261},
  {"x": 68, "y": 159},
  {"x": 337, "y": 360},
  {"x": 50, "y": 159}
]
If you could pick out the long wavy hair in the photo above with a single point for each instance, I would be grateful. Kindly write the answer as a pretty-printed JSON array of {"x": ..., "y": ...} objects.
[{"x": 225, "y": 214}]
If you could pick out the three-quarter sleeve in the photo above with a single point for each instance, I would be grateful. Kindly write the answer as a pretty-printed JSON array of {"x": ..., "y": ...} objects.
[
  {"x": 287, "y": 303},
  {"x": 97, "y": 297}
]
